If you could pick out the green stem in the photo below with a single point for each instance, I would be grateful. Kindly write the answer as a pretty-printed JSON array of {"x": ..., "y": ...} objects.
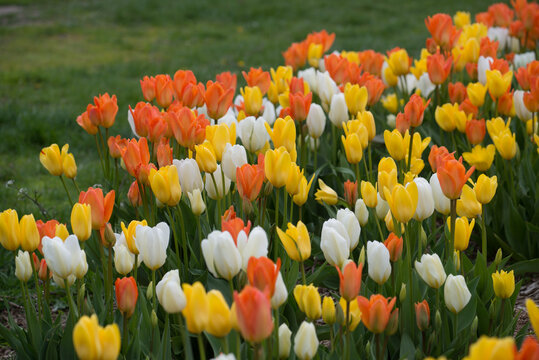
[
  {"x": 77, "y": 185},
  {"x": 125, "y": 334},
  {"x": 224, "y": 191},
  {"x": 135, "y": 268},
  {"x": 201, "y": 349},
  {"x": 276, "y": 332},
  {"x": 285, "y": 199},
  {"x": 218, "y": 199},
  {"x": 109, "y": 276},
  {"x": 453, "y": 204},
  {"x": 369, "y": 174},
  {"x": 100, "y": 154},
  {"x": 184, "y": 239},
  {"x": 303, "y": 278},
  {"x": 188, "y": 352},
  {"x": 174, "y": 232},
  {"x": 72, "y": 308},
  {"x": 410, "y": 148},
  {"x": 38, "y": 288},
  {"x": 67, "y": 192},
  {"x": 154, "y": 295},
  {"x": 358, "y": 175},
  {"x": 483, "y": 234},
  {"x": 275, "y": 247}
]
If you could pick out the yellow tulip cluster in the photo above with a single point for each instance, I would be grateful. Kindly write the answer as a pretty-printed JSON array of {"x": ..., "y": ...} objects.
[{"x": 58, "y": 163}]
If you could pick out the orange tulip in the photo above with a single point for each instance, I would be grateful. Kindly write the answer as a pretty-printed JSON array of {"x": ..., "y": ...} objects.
[
  {"x": 475, "y": 131},
  {"x": 452, "y": 176},
  {"x": 46, "y": 229},
  {"x": 300, "y": 105},
  {"x": 296, "y": 55},
  {"x": 262, "y": 274},
  {"x": 372, "y": 61},
  {"x": 164, "y": 91},
  {"x": 523, "y": 78},
  {"x": 529, "y": 349},
  {"x": 375, "y": 312},
  {"x": 350, "y": 192},
  {"x": 101, "y": 206},
  {"x": 435, "y": 153},
  {"x": 393, "y": 243},
  {"x": 84, "y": 121},
  {"x": 136, "y": 158},
  {"x": 126, "y": 295},
  {"x": 457, "y": 92},
  {"x": 232, "y": 224},
  {"x": 531, "y": 98},
  {"x": 350, "y": 280},
  {"x": 422, "y": 315},
  {"x": 133, "y": 194},
  {"x": 227, "y": 80},
  {"x": 147, "y": 85},
  {"x": 142, "y": 114},
  {"x": 193, "y": 95},
  {"x": 258, "y": 77},
  {"x": 253, "y": 313},
  {"x": 218, "y": 99},
  {"x": 116, "y": 146},
  {"x": 103, "y": 112},
  {"x": 322, "y": 37},
  {"x": 469, "y": 108},
  {"x": 188, "y": 128},
  {"x": 337, "y": 67},
  {"x": 439, "y": 68},
  {"x": 442, "y": 30},
  {"x": 164, "y": 153},
  {"x": 414, "y": 110},
  {"x": 182, "y": 78},
  {"x": 249, "y": 180},
  {"x": 375, "y": 88}
]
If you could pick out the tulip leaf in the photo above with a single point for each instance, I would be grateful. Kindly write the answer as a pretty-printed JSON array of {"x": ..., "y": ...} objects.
[{"x": 407, "y": 348}]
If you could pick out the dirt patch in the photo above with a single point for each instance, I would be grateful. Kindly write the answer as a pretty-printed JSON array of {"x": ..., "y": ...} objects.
[
  {"x": 528, "y": 291},
  {"x": 10, "y": 10}
]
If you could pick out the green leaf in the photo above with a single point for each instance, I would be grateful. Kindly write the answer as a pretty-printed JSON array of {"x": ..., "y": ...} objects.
[{"x": 407, "y": 348}]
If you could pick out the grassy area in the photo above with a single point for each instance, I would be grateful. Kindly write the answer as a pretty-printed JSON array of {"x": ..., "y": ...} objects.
[{"x": 57, "y": 56}]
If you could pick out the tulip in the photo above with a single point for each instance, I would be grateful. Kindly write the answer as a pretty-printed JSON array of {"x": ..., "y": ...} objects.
[
  {"x": 253, "y": 134},
  {"x": 23, "y": 267},
  {"x": 86, "y": 338},
  {"x": 280, "y": 294},
  {"x": 353, "y": 148},
  {"x": 431, "y": 270},
  {"x": 69, "y": 166},
  {"x": 425, "y": 203},
  {"x": 284, "y": 341},
  {"x": 438, "y": 68},
  {"x": 521, "y": 111},
  {"x": 304, "y": 187},
  {"x": 506, "y": 144},
  {"x": 62, "y": 257},
  {"x": 196, "y": 312},
  {"x": 399, "y": 62},
  {"x": 29, "y": 234},
  {"x": 448, "y": 116},
  {"x": 387, "y": 175},
  {"x": 375, "y": 312},
  {"x": 215, "y": 188},
  {"x": 296, "y": 241},
  {"x": 355, "y": 97},
  {"x": 422, "y": 315},
  {"x": 369, "y": 194},
  {"x": 222, "y": 257},
  {"x": 80, "y": 265},
  {"x": 480, "y": 157},
  {"x": 295, "y": 174},
  {"x": 218, "y": 99},
  {"x": 253, "y": 313},
  {"x": 395, "y": 144},
  {"x": 129, "y": 233},
  {"x": 382, "y": 208},
  {"x": 533, "y": 313},
  {"x": 256, "y": 245},
  {"x": 197, "y": 203},
  {"x": 468, "y": 205},
  {"x": 378, "y": 260},
  {"x": 306, "y": 342},
  {"x": 316, "y": 121},
  {"x": 308, "y": 300},
  {"x": 252, "y": 99},
  {"x": 361, "y": 212},
  {"x": 123, "y": 258},
  {"x": 338, "y": 112},
  {"x": 205, "y": 157},
  {"x": 475, "y": 131},
  {"x": 10, "y": 232},
  {"x": 350, "y": 192},
  {"x": 101, "y": 206},
  {"x": 403, "y": 201},
  {"x": 170, "y": 294},
  {"x": 126, "y": 295},
  {"x": 152, "y": 244},
  {"x": 456, "y": 293},
  {"x": 497, "y": 126},
  {"x": 452, "y": 177},
  {"x": 51, "y": 159},
  {"x": 351, "y": 224},
  {"x": 497, "y": 83},
  {"x": 262, "y": 273},
  {"x": 233, "y": 157},
  {"x": 189, "y": 175},
  {"x": 81, "y": 222},
  {"x": 219, "y": 317},
  {"x": 463, "y": 231},
  {"x": 335, "y": 242},
  {"x": 485, "y": 188},
  {"x": 503, "y": 283},
  {"x": 492, "y": 348},
  {"x": 166, "y": 185},
  {"x": 283, "y": 133},
  {"x": 350, "y": 280},
  {"x": 394, "y": 245},
  {"x": 249, "y": 180},
  {"x": 326, "y": 194},
  {"x": 354, "y": 312},
  {"x": 61, "y": 283},
  {"x": 277, "y": 166}
]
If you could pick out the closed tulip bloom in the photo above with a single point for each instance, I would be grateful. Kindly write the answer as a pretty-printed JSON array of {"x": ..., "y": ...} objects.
[
  {"x": 111, "y": 342},
  {"x": 425, "y": 203},
  {"x": 219, "y": 321},
  {"x": 86, "y": 338},
  {"x": 456, "y": 293},
  {"x": 69, "y": 166},
  {"x": 326, "y": 194},
  {"x": 475, "y": 131},
  {"x": 101, "y": 206},
  {"x": 233, "y": 157},
  {"x": 351, "y": 224},
  {"x": 399, "y": 62},
  {"x": 431, "y": 270},
  {"x": 197, "y": 203},
  {"x": 10, "y": 232},
  {"x": 189, "y": 175},
  {"x": 80, "y": 264},
  {"x": 29, "y": 234},
  {"x": 506, "y": 144},
  {"x": 480, "y": 157},
  {"x": 222, "y": 257},
  {"x": 395, "y": 143},
  {"x": 166, "y": 185},
  {"x": 448, "y": 115},
  {"x": 367, "y": 119},
  {"x": 335, "y": 242},
  {"x": 439, "y": 68},
  {"x": 356, "y": 98},
  {"x": 369, "y": 194},
  {"x": 521, "y": 110},
  {"x": 403, "y": 201},
  {"x": 196, "y": 312},
  {"x": 253, "y": 312},
  {"x": 249, "y": 180},
  {"x": 463, "y": 231},
  {"x": 280, "y": 294},
  {"x": 316, "y": 121},
  {"x": 422, "y": 315},
  {"x": 375, "y": 312},
  {"x": 262, "y": 273},
  {"x": 352, "y": 147},
  {"x": 126, "y": 295},
  {"x": 283, "y": 133},
  {"x": 253, "y": 134},
  {"x": 51, "y": 159},
  {"x": 123, "y": 258},
  {"x": 252, "y": 99},
  {"x": 485, "y": 188},
  {"x": 205, "y": 157},
  {"x": 394, "y": 244},
  {"x": 493, "y": 348},
  {"x": 497, "y": 83},
  {"x": 277, "y": 165},
  {"x": 81, "y": 221},
  {"x": 350, "y": 280},
  {"x": 211, "y": 189},
  {"x": 295, "y": 175},
  {"x": 378, "y": 262},
  {"x": 296, "y": 241},
  {"x": 255, "y": 245},
  {"x": 304, "y": 187},
  {"x": 62, "y": 256},
  {"x": 503, "y": 283},
  {"x": 170, "y": 294},
  {"x": 23, "y": 267},
  {"x": 467, "y": 204},
  {"x": 338, "y": 111},
  {"x": 284, "y": 341},
  {"x": 476, "y": 93},
  {"x": 328, "y": 310},
  {"x": 361, "y": 212},
  {"x": 452, "y": 176},
  {"x": 387, "y": 175},
  {"x": 306, "y": 342},
  {"x": 308, "y": 300},
  {"x": 152, "y": 244},
  {"x": 61, "y": 231}
]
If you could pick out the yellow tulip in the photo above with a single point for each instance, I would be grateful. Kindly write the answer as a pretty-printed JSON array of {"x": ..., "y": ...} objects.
[
  {"x": 111, "y": 342},
  {"x": 51, "y": 159},
  {"x": 463, "y": 231},
  {"x": 402, "y": 201},
  {"x": 308, "y": 300},
  {"x": 325, "y": 194},
  {"x": 492, "y": 348},
  {"x": 219, "y": 322},
  {"x": 533, "y": 313},
  {"x": 69, "y": 167},
  {"x": 314, "y": 53},
  {"x": 196, "y": 312},
  {"x": 419, "y": 68},
  {"x": 471, "y": 49},
  {"x": 416, "y": 165},
  {"x": 355, "y": 314},
  {"x": 328, "y": 310},
  {"x": 476, "y": 93},
  {"x": 399, "y": 62},
  {"x": 205, "y": 157},
  {"x": 352, "y": 148},
  {"x": 86, "y": 338},
  {"x": 408, "y": 177},
  {"x": 369, "y": 194},
  {"x": 530, "y": 125},
  {"x": 459, "y": 58},
  {"x": 448, "y": 115},
  {"x": 472, "y": 31},
  {"x": 503, "y": 283},
  {"x": 294, "y": 178},
  {"x": 390, "y": 77},
  {"x": 467, "y": 204},
  {"x": 252, "y": 99},
  {"x": 388, "y": 219},
  {"x": 395, "y": 143},
  {"x": 418, "y": 145},
  {"x": 281, "y": 77},
  {"x": 283, "y": 133},
  {"x": 367, "y": 119},
  {"x": 485, "y": 188},
  {"x": 219, "y": 136},
  {"x": 61, "y": 231},
  {"x": 497, "y": 83},
  {"x": 480, "y": 157},
  {"x": 81, "y": 221},
  {"x": 130, "y": 232},
  {"x": 277, "y": 166},
  {"x": 304, "y": 187},
  {"x": 356, "y": 98},
  {"x": 357, "y": 127},
  {"x": 165, "y": 185},
  {"x": 29, "y": 234},
  {"x": 390, "y": 103},
  {"x": 506, "y": 144},
  {"x": 296, "y": 241},
  {"x": 461, "y": 19},
  {"x": 496, "y": 126},
  {"x": 387, "y": 175},
  {"x": 272, "y": 93},
  {"x": 10, "y": 233},
  {"x": 284, "y": 99},
  {"x": 351, "y": 56}
]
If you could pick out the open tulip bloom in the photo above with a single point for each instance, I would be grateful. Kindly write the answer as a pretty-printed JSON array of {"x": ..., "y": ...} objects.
[{"x": 265, "y": 229}]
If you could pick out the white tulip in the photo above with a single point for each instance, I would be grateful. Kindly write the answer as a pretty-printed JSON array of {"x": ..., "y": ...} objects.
[
  {"x": 123, "y": 258},
  {"x": 23, "y": 267},
  {"x": 222, "y": 257},
  {"x": 269, "y": 111},
  {"x": 351, "y": 224},
  {"x": 362, "y": 213},
  {"x": 382, "y": 207},
  {"x": 255, "y": 245},
  {"x": 203, "y": 110},
  {"x": 61, "y": 256},
  {"x": 305, "y": 341},
  {"x": 425, "y": 85},
  {"x": 234, "y": 156},
  {"x": 280, "y": 294},
  {"x": 197, "y": 203},
  {"x": 152, "y": 244},
  {"x": 309, "y": 75},
  {"x": 252, "y": 133},
  {"x": 210, "y": 185},
  {"x": 225, "y": 357},
  {"x": 316, "y": 121},
  {"x": 425, "y": 201},
  {"x": 442, "y": 204},
  {"x": 335, "y": 242},
  {"x": 521, "y": 110},
  {"x": 326, "y": 88},
  {"x": 61, "y": 282},
  {"x": 499, "y": 34},
  {"x": 407, "y": 83},
  {"x": 284, "y": 341},
  {"x": 189, "y": 174},
  {"x": 385, "y": 65},
  {"x": 229, "y": 118},
  {"x": 131, "y": 122},
  {"x": 483, "y": 64},
  {"x": 81, "y": 265},
  {"x": 170, "y": 294},
  {"x": 378, "y": 262},
  {"x": 514, "y": 44},
  {"x": 391, "y": 121},
  {"x": 338, "y": 112},
  {"x": 431, "y": 270},
  {"x": 456, "y": 293}
]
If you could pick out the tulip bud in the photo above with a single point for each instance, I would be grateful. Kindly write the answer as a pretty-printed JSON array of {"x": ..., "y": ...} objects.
[
  {"x": 23, "y": 267},
  {"x": 109, "y": 238},
  {"x": 393, "y": 323},
  {"x": 378, "y": 262},
  {"x": 154, "y": 319},
  {"x": 43, "y": 273},
  {"x": 338, "y": 112},
  {"x": 362, "y": 213},
  {"x": 368, "y": 347},
  {"x": 361, "y": 259},
  {"x": 149, "y": 291},
  {"x": 284, "y": 341},
  {"x": 402, "y": 293},
  {"x": 221, "y": 254},
  {"x": 335, "y": 242},
  {"x": 81, "y": 294},
  {"x": 422, "y": 315},
  {"x": 316, "y": 121},
  {"x": 280, "y": 295},
  {"x": 215, "y": 189},
  {"x": 423, "y": 239},
  {"x": 51, "y": 159},
  {"x": 134, "y": 195},
  {"x": 308, "y": 300},
  {"x": 473, "y": 328},
  {"x": 69, "y": 166},
  {"x": 503, "y": 283},
  {"x": 305, "y": 341},
  {"x": 498, "y": 258},
  {"x": 10, "y": 230},
  {"x": 189, "y": 175},
  {"x": 438, "y": 321},
  {"x": 431, "y": 270},
  {"x": 197, "y": 203},
  {"x": 126, "y": 295}
]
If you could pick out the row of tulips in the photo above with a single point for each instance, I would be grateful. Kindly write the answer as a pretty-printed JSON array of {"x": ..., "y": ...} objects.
[{"x": 197, "y": 254}]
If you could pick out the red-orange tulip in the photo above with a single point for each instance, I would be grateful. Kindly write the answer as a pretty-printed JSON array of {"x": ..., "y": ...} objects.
[
  {"x": 442, "y": 30},
  {"x": 253, "y": 314},
  {"x": 116, "y": 146},
  {"x": 529, "y": 349},
  {"x": 350, "y": 280},
  {"x": 531, "y": 98},
  {"x": 375, "y": 312},
  {"x": 136, "y": 158},
  {"x": 375, "y": 88},
  {"x": 414, "y": 110},
  {"x": 469, "y": 108},
  {"x": 523, "y": 78},
  {"x": 258, "y": 77},
  {"x": 435, "y": 153},
  {"x": 126, "y": 295},
  {"x": 300, "y": 105},
  {"x": 488, "y": 48},
  {"x": 422, "y": 315},
  {"x": 181, "y": 79},
  {"x": 452, "y": 176},
  {"x": 457, "y": 92},
  {"x": 232, "y": 224},
  {"x": 393, "y": 243},
  {"x": 372, "y": 61},
  {"x": 249, "y": 180},
  {"x": 103, "y": 112},
  {"x": 227, "y": 80},
  {"x": 321, "y": 37},
  {"x": 262, "y": 273},
  {"x": 84, "y": 121},
  {"x": 438, "y": 68},
  {"x": 475, "y": 131},
  {"x": 133, "y": 194},
  {"x": 147, "y": 85},
  {"x": 188, "y": 128},
  {"x": 296, "y": 55},
  {"x": 101, "y": 206},
  {"x": 164, "y": 153},
  {"x": 218, "y": 99},
  {"x": 193, "y": 95},
  {"x": 350, "y": 192},
  {"x": 164, "y": 91},
  {"x": 337, "y": 67}
]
